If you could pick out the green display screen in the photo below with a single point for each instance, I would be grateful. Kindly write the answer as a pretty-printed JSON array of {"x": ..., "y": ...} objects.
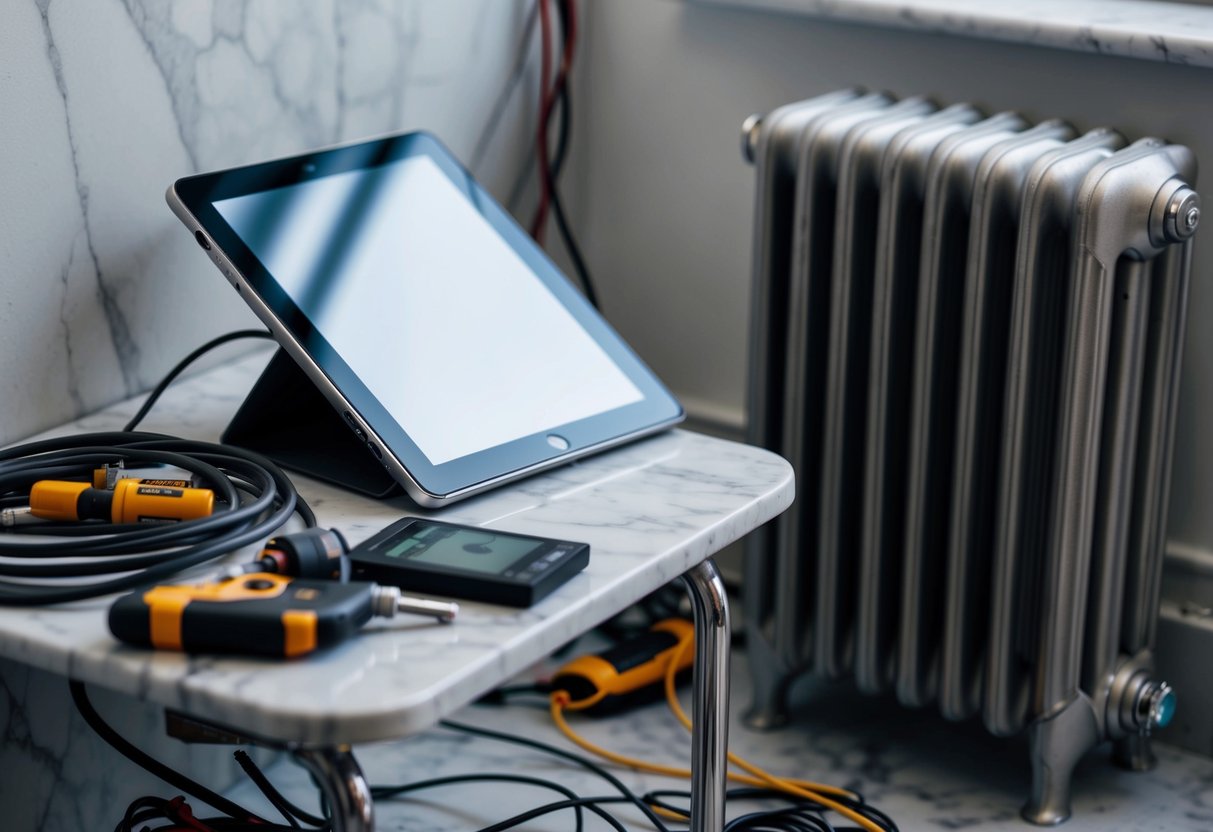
[{"x": 477, "y": 551}]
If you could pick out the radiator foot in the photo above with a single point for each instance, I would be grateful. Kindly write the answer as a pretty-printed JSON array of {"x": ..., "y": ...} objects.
[
  {"x": 1133, "y": 752},
  {"x": 767, "y": 716},
  {"x": 1057, "y": 743},
  {"x": 771, "y": 681}
]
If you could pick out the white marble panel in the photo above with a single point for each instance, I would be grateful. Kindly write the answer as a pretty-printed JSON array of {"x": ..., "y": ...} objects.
[
  {"x": 106, "y": 103},
  {"x": 60, "y": 775},
  {"x": 102, "y": 105}
]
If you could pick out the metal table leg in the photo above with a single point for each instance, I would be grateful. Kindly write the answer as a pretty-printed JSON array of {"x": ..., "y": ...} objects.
[
  {"x": 347, "y": 792},
  {"x": 710, "y": 737}
]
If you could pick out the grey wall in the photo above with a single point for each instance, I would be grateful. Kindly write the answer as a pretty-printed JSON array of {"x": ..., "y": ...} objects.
[
  {"x": 103, "y": 104},
  {"x": 668, "y": 225}
]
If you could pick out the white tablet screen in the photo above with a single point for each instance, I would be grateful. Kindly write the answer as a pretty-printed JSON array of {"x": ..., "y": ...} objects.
[{"x": 441, "y": 320}]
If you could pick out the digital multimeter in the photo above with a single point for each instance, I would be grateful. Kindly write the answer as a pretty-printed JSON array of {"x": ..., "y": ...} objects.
[{"x": 468, "y": 561}]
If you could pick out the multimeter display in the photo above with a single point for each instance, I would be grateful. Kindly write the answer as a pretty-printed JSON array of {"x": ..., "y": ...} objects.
[
  {"x": 468, "y": 561},
  {"x": 474, "y": 549}
]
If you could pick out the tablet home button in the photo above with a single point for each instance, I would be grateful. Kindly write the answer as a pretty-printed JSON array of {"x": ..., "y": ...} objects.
[{"x": 558, "y": 442}]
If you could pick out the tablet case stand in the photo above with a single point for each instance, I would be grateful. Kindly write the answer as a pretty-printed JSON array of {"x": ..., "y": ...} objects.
[{"x": 288, "y": 420}]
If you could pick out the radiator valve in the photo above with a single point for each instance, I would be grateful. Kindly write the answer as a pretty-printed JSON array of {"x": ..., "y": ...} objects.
[
  {"x": 1155, "y": 706},
  {"x": 1138, "y": 703},
  {"x": 1175, "y": 214}
]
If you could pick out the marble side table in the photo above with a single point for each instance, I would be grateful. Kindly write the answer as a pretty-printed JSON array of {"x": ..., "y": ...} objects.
[{"x": 651, "y": 511}]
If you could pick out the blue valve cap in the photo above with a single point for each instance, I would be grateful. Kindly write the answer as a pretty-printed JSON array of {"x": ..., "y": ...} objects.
[{"x": 1162, "y": 709}]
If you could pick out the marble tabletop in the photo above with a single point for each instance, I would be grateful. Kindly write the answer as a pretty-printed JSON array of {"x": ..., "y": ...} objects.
[{"x": 649, "y": 510}]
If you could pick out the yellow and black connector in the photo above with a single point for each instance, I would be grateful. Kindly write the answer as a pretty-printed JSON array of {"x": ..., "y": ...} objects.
[{"x": 126, "y": 501}]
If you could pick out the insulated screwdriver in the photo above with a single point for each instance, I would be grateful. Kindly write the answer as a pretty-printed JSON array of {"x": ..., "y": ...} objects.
[{"x": 260, "y": 613}]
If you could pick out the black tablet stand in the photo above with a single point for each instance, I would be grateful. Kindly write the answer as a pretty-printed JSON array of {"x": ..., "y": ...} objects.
[{"x": 288, "y": 420}]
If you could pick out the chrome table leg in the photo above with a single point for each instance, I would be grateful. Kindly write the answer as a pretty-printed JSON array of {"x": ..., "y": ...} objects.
[
  {"x": 347, "y": 792},
  {"x": 710, "y": 738}
]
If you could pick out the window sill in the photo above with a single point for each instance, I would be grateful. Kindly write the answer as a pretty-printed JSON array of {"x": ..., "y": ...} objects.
[{"x": 1176, "y": 33}]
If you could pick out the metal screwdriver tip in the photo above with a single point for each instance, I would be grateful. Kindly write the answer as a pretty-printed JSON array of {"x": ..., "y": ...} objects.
[
  {"x": 387, "y": 601},
  {"x": 444, "y": 611}
]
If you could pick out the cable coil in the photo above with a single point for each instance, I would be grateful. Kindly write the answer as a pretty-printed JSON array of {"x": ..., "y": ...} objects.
[{"x": 253, "y": 496}]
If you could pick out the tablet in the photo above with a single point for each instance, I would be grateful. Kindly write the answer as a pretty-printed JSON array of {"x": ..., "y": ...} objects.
[{"x": 426, "y": 316}]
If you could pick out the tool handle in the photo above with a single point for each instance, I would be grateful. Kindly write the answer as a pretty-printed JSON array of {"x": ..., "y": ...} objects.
[
  {"x": 630, "y": 673},
  {"x": 257, "y": 614}
]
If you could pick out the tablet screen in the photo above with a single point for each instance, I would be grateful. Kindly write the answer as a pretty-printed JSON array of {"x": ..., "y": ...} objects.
[
  {"x": 439, "y": 317},
  {"x": 450, "y": 342}
]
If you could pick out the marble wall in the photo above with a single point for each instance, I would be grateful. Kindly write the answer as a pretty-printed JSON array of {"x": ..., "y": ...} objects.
[{"x": 103, "y": 104}]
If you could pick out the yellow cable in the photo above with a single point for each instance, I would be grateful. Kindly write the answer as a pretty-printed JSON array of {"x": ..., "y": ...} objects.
[
  {"x": 810, "y": 791},
  {"x": 588, "y": 702},
  {"x": 557, "y": 704},
  {"x": 804, "y": 789},
  {"x": 670, "y": 814}
]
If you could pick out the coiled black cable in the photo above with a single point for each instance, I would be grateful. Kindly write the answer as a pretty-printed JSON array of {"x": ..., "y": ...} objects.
[{"x": 254, "y": 498}]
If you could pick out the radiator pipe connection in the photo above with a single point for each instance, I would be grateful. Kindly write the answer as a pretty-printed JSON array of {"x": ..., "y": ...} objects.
[
  {"x": 1175, "y": 213},
  {"x": 749, "y": 137},
  {"x": 1154, "y": 707},
  {"x": 1138, "y": 703}
]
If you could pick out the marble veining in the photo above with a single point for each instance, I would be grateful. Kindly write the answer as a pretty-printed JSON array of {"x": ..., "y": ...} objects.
[
  {"x": 1176, "y": 33},
  {"x": 107, "y": 103},
  {"x": 925, "y": 772},
  {"x": 649, "y": 511},
  {"x": 59, "y": 775}
]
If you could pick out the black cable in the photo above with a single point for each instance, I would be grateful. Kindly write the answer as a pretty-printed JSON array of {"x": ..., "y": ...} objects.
[
  {"x": 780, "y": 820},
  {"x": 35, "y": 572},
  {"x": 801, "y": 816},
  {"x": 524, "y": 174},
  {"x": 146, "y": 761},
  {"x": 590, "y": 803},
  {"x": 140, "y": 810},
  {"x": 388, "y": 792},
  {"x": 172, "y": 374},
  {"x": 871, "y": 812},
  {"x": 289, "y": 810},
  {"x": 657, "y": 797},
  {"x": 589, "y": 765},
  {"x": 502, "y": 695},
  {"x": 145, "y": 809},
  {"x": 521, "y": 55},
  {"x": 566, "y": 234},
  {"x": 562, "y": 100}
]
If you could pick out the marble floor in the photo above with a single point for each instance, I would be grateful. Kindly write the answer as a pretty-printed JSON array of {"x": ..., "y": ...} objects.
[{"x": 924, "y": 772}]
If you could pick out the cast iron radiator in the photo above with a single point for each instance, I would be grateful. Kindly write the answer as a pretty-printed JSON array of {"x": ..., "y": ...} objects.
[{"x": 966, "y": 337}]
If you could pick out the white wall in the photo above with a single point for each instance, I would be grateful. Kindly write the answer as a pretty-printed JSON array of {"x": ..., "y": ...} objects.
[{"x": 667, "y": 229}]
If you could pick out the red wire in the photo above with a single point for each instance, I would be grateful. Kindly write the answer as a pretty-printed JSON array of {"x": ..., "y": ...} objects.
[
  {"x": 548, "y": 102},
  {"x": 185, "y": 816},
  {"x": 571, "y": 41},
  {"x": 545, "y": 105}
]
